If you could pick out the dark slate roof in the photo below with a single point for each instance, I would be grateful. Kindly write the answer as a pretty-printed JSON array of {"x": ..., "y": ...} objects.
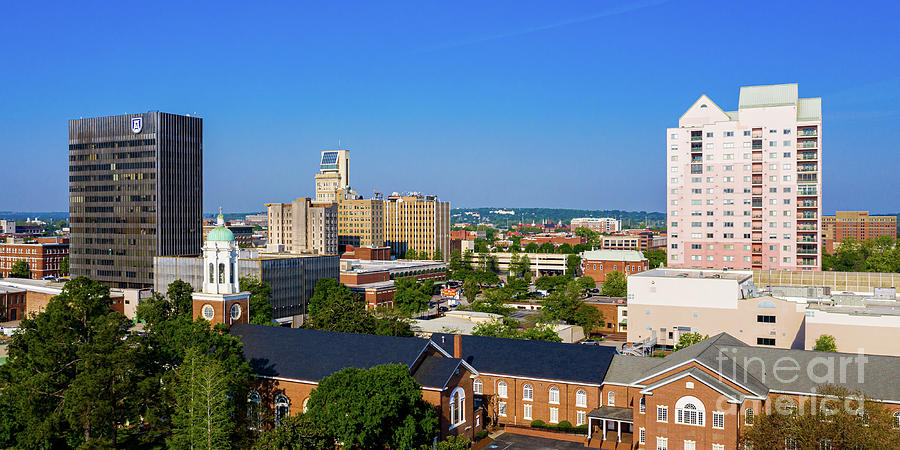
[
  {"x": 613, "y": 413},
  {"x": 532, "y": 359},
  {"x": 712, "y": 353},
  {"x": 313, "y": 355},
  {"x": 878, "y": 378},
  {"x": 435, "y": 371},
  {"x": 625, "y": 369}
]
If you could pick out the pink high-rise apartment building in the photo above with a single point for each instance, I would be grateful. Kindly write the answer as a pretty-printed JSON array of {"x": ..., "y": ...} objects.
[{"x": 744, "y": 188}]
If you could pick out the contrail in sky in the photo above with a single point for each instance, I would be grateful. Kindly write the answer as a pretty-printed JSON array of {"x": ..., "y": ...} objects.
[{"x": 625, "y": 8}]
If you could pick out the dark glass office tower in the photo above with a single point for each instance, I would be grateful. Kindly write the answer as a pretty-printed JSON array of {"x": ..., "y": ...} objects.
[{"x": 135, "y": 191}]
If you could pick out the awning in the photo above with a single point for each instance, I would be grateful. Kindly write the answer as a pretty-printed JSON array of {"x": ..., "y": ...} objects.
[{"x": 613, "y": 413}]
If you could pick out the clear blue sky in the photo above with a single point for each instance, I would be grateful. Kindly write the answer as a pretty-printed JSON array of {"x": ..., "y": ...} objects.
[{"x": 518, "y": 103}]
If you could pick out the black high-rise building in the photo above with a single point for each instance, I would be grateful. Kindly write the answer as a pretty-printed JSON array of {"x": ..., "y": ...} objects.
[{"x": 135, "y": 192}]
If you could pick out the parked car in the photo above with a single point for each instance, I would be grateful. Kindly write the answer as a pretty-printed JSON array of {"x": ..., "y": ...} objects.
[{"x": 590, "y": 342}]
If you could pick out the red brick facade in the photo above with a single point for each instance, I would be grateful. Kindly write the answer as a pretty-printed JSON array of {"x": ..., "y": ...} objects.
[
  {"x": 598, "y": 269},
  {"x": 43, "y": 259}
]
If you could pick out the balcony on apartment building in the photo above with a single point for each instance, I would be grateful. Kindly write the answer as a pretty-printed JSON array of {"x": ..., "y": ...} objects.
[
  {"x": 807, "y": 204},
  {"x": 807, "y": 177},
  {"x": 808, "y": 168},
  {"x": 806, "y": 262},
  {"x": 810, "y": 143},
  {"x": 807, "y": 192},
  {"x": 807, "y": 238},
  {"x": 756, "y": 157},
  {"x": 807, "y": 132},
  {"x": 808, "y": 227}
]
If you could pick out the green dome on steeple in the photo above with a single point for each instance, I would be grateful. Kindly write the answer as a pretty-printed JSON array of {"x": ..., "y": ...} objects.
[{"x": 220, "y": 232}]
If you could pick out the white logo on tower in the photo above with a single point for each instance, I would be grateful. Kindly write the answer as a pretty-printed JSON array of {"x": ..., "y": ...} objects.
[{"x": 137, "y": 123}]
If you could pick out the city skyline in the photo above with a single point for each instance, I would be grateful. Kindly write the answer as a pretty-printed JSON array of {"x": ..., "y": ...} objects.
[{"x": 496, "y": 102}]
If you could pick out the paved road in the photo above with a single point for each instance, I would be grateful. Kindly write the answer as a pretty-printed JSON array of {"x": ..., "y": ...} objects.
[{"x": 508, "y": 441}]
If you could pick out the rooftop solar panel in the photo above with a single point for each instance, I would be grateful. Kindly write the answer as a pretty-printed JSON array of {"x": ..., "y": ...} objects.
[{"x": 329, "y": 157}]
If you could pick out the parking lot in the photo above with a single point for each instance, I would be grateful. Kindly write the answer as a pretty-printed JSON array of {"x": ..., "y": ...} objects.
[{"x": 508, "y": 441}]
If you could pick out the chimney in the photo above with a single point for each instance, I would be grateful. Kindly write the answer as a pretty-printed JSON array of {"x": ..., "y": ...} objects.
[{"x": 457, "y": 346}]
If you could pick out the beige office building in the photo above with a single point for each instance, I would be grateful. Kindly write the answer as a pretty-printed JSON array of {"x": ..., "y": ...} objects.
[
  {"x": 334, "y": 174},
  {"x": 418, "y": 222},
  {"x": 360, "y": 221},
  {"x": 304, "y": 226}
]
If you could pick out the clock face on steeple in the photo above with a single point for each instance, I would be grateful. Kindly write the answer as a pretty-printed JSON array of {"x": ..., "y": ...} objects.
[
  {"x": 208, "y": 312},
  {"x": 235, "y": 312}
]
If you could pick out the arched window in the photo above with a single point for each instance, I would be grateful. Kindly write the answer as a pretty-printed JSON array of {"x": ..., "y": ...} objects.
[
  {"x": 581, "y": 398},
  {"x": 643, "y": 407},
  {"x": 477, "y": 387},
  {"x": 231, "y": 273},
  {"x": 527, "y": 392},
  {"x": 253, "y": 411},
  {"x": 306, "y": 404},
  {"x": 501, "y": 389},
  {"x": 221, "y": 273},
  {"x": 554, "y": 395},
  {"x": 282, "y": 408},
  {"x": 610, "y": 398},
  {"x": 457, "y": 407},
  {"x": 212, "y": 273},
  {"x": 748, "y": 417},
  {"x": 690, "y": 411}
]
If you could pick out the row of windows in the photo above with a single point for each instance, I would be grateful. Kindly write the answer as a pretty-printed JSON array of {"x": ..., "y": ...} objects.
[
  {"x": 113, "y": 144},
  {"x": 528, "y": 393}
]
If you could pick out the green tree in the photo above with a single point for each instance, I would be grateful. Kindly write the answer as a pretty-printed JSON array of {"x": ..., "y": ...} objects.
[
  {"x": 517, "y": 287},
  {"x": 688, "y": 339},
  {"x": 20, "y": 269},
  {"x": 825, "y": 343},
  {"x": 844, "y": 419},
  {"x": 494, "y": 302},
  {"x": 296, "y": 432},
  {"x": 470, "y": 290},
  {"x": 451, "y": 443},
  {"x": 467, "y": 260},
  {"x": 565, "y": 248},
  {"x": 64, "y": 266},
  {"x": 547, "y": 247},
  {"x": 203, "y": 414},
  {"x": 334, "y": 308},
  {"x": 411, "y": 297},
  {"x": 411, "y": 254},
  {"x": 590, "y": 237},
  {"x": 381, "y": 407},
  {"x": 552, "y": 282},
  {"x": 74, "y": 371},
  {"x": 260, "y": 306},
  {"x": 509, "y": 328},
  {"x": 588, "y": 318},
  {"x": 573, "y": 265},
  {"x": 656, "y": 258},
  {"x": 532, "y": 248},
  {"x": 586, "y": 283},
  {"x": 179, "y": 294},
  {"x": 438, "y": 255},
  {"x": 615, "y": 285}
]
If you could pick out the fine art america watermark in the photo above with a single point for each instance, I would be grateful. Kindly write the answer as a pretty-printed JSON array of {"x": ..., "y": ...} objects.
[{"x": 798, "y": 378}]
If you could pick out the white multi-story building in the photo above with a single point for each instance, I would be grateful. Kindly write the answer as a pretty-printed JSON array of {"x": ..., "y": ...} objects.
[
  {"x": 744, "y": 188},
  {"x": 334, "y": 174},
  {"x": 598, "y": 224},
  {"x": 303, "y": 226}
]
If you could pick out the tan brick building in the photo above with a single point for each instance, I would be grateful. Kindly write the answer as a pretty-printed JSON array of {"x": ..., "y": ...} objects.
[
  {"x": 417, "y": 222},
  {"x": 304, "y": 226},
  {"x": 858, "y": 225},
  {"x": 360, "y": 221}
]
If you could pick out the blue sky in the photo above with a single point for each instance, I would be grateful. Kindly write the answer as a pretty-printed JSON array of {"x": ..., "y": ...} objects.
[{"x": 518, "y": 103}]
